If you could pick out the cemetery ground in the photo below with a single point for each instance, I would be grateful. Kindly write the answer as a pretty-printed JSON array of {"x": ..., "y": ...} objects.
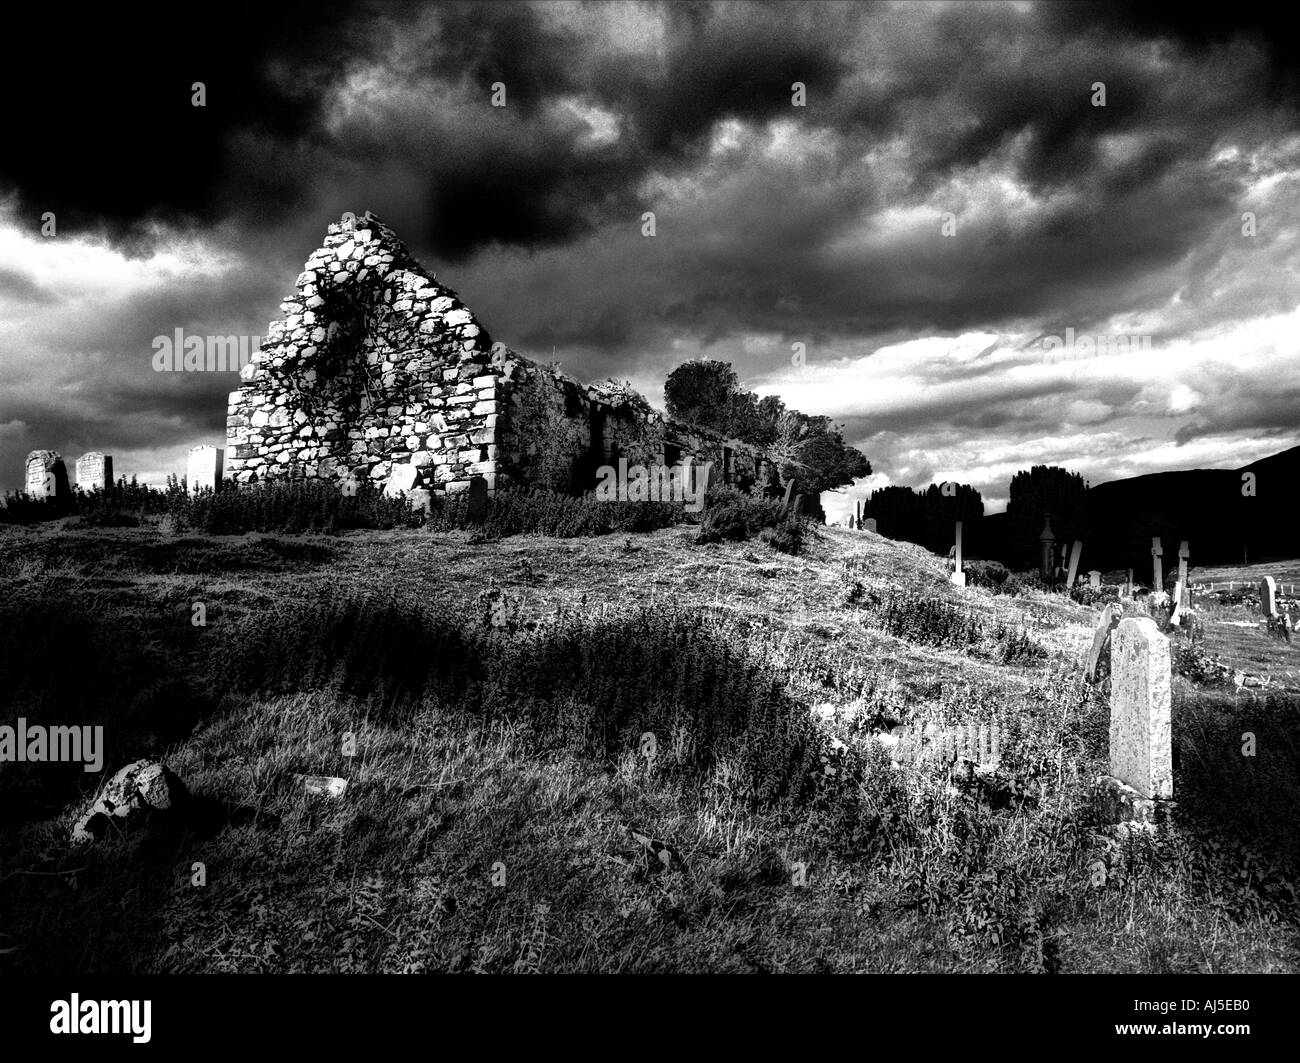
[{"x": 503, "y": 811}]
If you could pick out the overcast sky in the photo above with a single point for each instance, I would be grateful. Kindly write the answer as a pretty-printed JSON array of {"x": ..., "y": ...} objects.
[{"x": 775, "y": 224}]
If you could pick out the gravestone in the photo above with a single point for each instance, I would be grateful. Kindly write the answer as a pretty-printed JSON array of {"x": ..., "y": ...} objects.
[
  {"x": 1183, "y": 554},
  {"x": 798, "y": 505},
  {"x": 788, "y": 502},
  {"x": 1141, "y": 751},
  {"x": 1176, "y": 617},
  {"x": 958, "y": 577},
  {"x": 1110, "y": 618},
  {"x": 870, "y": 524},
  {"x": 1268, "y": 596},
  {"x": 94, "y": 470},
  {"x": 477, "y": 498},
  {"x": 401, "y": 481},
  {"x": 46, "y": 475},
  {"x": 204, "y": 468},
  {"x": 1128, "y": 585},
  {"x": 1048, "y": 540},
  {"x": 1094, "y": 579},
  {"x": 1075, "y": 554},
  {"x": 1157, "y": 572}
]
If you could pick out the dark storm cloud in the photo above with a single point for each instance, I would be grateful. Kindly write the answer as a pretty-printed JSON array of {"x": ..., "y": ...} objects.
[{"x": 818, "y": 224}]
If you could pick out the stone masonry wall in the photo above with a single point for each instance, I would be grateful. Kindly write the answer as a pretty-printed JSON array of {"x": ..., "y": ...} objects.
[
  {"x": 377, "y": 369},
  {"x": 374, "y": 365}
]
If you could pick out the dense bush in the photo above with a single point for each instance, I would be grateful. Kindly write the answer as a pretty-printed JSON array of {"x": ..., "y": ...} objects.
[
  {"x": 928, "y": 620},
  {"x": 734, "y": 516},
  {"x": 316, "y": 506}
]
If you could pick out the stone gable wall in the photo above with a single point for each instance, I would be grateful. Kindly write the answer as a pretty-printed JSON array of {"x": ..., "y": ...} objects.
[{"x": 375, "y": 368}]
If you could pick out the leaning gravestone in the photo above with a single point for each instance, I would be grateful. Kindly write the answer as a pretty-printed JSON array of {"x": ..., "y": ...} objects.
[
  {"x": 1075, "y": 553},
  {"x": 1110, "y": 618},
  {"x": 204, "y": 468},
  {"x": 1141, "y": 752},
  {"x": 401, "y": 481},
  {"x": 46, "y": 475},
  {"x": 94, "y": 470},
  {"x": 1268, "y": 596}
]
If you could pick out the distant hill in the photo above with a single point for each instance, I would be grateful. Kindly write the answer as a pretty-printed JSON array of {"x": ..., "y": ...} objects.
[{"x": 1203, "y": 506}]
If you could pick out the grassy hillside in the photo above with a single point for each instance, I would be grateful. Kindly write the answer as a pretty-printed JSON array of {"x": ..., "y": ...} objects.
[{"x": 502, "y": 814}]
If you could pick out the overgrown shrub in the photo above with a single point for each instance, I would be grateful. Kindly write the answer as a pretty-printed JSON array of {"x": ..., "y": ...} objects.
[
  {"x": 932, "y": 621},
  {"x": 734, "y": 516}
]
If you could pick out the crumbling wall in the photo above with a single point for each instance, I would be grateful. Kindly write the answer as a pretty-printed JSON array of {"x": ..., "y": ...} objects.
[
  {"x": 374, "y": 365},
  {"x": 377, "y": 372}
]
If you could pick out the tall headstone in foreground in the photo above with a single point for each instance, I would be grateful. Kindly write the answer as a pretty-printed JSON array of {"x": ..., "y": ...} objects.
[
  {"x": 1157, "y": 572},
  {"x": 1141, "y": 750},
  {"x": 1075, "y": 554},
  {"x": 1268, "y": 596},
  {"x": 46, "y": 475},
  {"x": 94, "y": 470},
  {"x": 958, "y": 577},
  {"x": 204, "y": 468}
]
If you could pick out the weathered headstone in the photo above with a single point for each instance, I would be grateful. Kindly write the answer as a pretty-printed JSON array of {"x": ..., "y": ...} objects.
[
  {"x": 788, "y": 502},
  {"x": 46, "y": 475},
  {"x": 1075, "y": 554},
  {"x": 477, "y": 498},
  {"x": 94, "y": 470},
  {"x": 204, "y": 468},
  {"x": 870, "y": 524},
  {"x": 1141, "y": 752},
  {"x": 1157, "y": 572},
  {"x": 1176, "y": 617},
  {"x": 1094, "y": 579},
  {"x": 958, "y": 577},
  {"x": 1110, "y": 618},
  {"x": 1268, "y": 596},
  {"x": 401, "y": 480},
  {"x": 1183, "y": 554}
]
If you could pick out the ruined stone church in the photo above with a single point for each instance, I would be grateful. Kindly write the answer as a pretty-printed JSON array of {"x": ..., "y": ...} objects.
[{"x": 377, "y": 372}]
